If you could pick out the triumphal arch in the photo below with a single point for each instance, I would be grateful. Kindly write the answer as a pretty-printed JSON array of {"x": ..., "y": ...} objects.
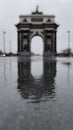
[{"x": 37, "y": 24}]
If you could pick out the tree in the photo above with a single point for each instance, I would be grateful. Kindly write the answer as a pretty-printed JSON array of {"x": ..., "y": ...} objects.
[
  {"x": 67, "y": 51},
  {"x": 1, "y": 52}
]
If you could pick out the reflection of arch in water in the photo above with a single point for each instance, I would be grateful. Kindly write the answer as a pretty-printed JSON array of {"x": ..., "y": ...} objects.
[
  {"x": 36, "y": 89},
  {"x": 37, "y": 67}
]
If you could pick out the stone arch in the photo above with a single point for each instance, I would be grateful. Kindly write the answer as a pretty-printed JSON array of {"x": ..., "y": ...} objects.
[{"x": 36, "y": 24}]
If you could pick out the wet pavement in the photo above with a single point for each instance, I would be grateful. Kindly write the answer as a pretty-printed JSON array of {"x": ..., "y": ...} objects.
[{"x": 36, "y": 93}]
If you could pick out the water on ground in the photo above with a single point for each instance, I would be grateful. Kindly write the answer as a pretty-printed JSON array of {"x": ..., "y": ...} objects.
[{"x": 36, "y": 93}]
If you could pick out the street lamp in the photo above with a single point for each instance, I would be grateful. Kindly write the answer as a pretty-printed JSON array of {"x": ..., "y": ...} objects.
[
  {"x": 10, "y": 46},
  {"x": 68, "y": 41},
  {"x": 4, "y": 41}
]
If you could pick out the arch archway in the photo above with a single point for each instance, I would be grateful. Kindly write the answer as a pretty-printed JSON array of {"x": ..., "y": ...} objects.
[
  {"x": 37, "y": 24},
  {"x": 36, "y": 45}
]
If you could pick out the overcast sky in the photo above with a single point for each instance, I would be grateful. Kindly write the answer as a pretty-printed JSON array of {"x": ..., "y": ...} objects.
[{"x": 11, "y": 9}]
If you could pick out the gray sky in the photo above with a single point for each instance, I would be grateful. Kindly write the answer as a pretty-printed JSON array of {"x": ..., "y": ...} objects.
[{"x": 11, "y": 9}]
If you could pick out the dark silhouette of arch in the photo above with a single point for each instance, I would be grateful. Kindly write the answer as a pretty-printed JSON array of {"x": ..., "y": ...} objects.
[{"x": 30, "y": 87}]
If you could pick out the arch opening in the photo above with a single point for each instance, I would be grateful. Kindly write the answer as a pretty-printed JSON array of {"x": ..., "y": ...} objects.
[{"x": 37, "y": 45}]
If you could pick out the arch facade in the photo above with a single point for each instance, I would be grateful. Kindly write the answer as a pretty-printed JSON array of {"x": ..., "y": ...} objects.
[{"x": 37, "y": 24}]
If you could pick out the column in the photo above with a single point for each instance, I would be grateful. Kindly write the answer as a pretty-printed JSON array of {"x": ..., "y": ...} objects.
[
  {"x": 19, "y": 41},
  {"x": 22, "y": 38},
  {"x": 45, "y": 42},
  {"x": 55, "y": 43},
  {"x": 28, "y": 43}
]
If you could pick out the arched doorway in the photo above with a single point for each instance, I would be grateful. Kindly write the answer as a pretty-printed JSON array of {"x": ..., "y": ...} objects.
[{"x": 37, "y": 45}]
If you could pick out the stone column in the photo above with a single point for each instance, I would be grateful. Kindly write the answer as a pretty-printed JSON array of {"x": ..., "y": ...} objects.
[
  {"x": 55, "y": 43},
  {"x": 45, "y": 42},
  {"x": 52, "y": 42},
  {"x": 22, "y": 37},
  {"x": 28, "y": 42},
  {"x": 19, "y": 41},
  {"x": 49, "y": 40}
]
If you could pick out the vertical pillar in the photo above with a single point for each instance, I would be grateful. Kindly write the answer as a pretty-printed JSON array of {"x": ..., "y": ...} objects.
[
  {"x": 55, "y": 43},
  {"x": 49, "y": 42},
  {"x": 28, "y": 43},
  {"x": 18, "y": 42},
  {"x": 51, "y": 48},
  {"x": 45, "y": 42},
  {"x": 22, "y": 38}
]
